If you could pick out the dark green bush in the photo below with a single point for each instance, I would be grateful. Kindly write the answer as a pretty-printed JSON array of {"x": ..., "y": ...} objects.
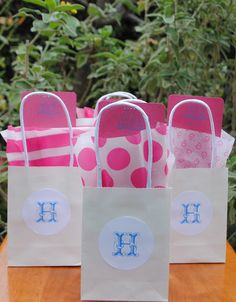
[{"x": 150, "y": 48}]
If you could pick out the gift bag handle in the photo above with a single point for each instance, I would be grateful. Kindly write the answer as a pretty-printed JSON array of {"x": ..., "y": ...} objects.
[
  {"x": 122, "y": 94},
  {"x": 22, "y": 123},
  {"x": 213, "y": 141},
  {"x": 149, "y": 136}
]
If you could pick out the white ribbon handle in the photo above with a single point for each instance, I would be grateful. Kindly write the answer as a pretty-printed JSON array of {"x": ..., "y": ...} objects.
[
  {"x": 22, "y": 124},
  {"x": 213, "y": 140},
  {"x": 149, "y": 136},
  {"x": 124, "y": 94}
]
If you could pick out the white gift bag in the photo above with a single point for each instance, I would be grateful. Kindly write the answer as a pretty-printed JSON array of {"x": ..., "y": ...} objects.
[
  {"x": 44, "y": 210},
  {"x": 125, "y": 237},
  {"x": 198, "y": 207}
]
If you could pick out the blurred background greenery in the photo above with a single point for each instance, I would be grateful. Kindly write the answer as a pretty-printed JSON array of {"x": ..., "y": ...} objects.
[{"x": 150, "y": 48}]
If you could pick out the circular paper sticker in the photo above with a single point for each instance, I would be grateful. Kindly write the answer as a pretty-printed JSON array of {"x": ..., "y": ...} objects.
[
  {"x": 46, "y": 212},
  {"x": 126, "y": 242},
  {"x": 191, "y": 213}
]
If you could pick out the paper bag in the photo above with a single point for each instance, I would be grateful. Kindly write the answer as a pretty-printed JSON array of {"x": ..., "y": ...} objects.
[
  {"x": 44, "y": 210},
  {"x": 199, "y": 207},
  {"x": 125, "y": 238}
]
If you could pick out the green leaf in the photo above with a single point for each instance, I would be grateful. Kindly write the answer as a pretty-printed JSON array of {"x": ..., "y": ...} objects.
[
  {"x": 166, "y": 73},
  {"x": 25, "y": 11},
  {"x": 129, "y": 4},
  {"x": 101, "y": 71},
  {"x": 232, "y": 213},
  {"x": 64, "y": 49},
  {"x": 106, "y": 31},
  {"x": 37, "y": 68},
  {"x": 166, "y": 84},
  {"x": 21, "y": 49},
  {"x": 3, "y": 176},
  {"x": 38, "y": 26},
  {"x": 51, "y": 4},
  {"x": 70, "y": 25},
  {"x": 169, "y": 20},
  {"x": 173, "y": 35},
  {"x": 3, "y": 154},
  {"x": 69, "y": 7},
  {"x": 48, "y": 18},
  {"x": 37, "y": 2},
  {"x": 141, "y": 5},
  {"x": 176, "y": 52},
  {"x": 168, "y": 8},
  {"x": 81, "y": 59},
  {"x": 23, "y": 84},
  {"x": 232, "y": 161},
  {"x": 105, "y": 55},
  {"x": 95, "y": 11},
  {"x": 232, "y": 175},
  {"x": 3, "y": 39},
  {"x": 49, "y": 75},
  {"x": 52, "y": 19},
  {"x": 182, "y": 83},
  {"x": 163, "y": 56}
]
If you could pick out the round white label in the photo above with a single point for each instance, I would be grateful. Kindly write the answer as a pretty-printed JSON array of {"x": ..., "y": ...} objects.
[
  {"x": 191, "y": 213},
  {"x": 126, "y": 242},
  {"x": 46, "y": 212}
]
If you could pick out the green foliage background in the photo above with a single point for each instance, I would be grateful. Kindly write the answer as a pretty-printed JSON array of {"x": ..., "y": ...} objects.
[{"x": 150, "y": 48}]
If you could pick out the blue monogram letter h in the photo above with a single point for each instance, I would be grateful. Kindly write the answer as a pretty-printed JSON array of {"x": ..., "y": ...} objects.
[
  {"x": 125, "y": 244},
  {"x": 47, "y": 212},
  {"x": 191, "y": 210}
]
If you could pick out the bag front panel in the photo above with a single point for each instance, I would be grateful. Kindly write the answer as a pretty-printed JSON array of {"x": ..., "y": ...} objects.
[
  {"x": 44, "y": 216},
  {"x": 129, "y": 277},
  {"x": 198, "y": 215}
]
